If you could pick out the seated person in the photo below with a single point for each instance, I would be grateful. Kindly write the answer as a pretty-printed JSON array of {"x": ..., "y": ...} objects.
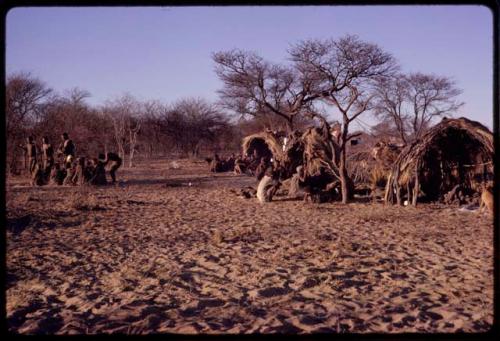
[
  {"x": 239, "y": 165},
  {"x": 57, "y": 175},
  {"x": 98, "y": 174},
  {"x": 216, "y": 164}
]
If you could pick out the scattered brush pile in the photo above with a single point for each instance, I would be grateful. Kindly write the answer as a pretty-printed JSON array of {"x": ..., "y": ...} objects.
[
  {"x": 454, "y": 153},
  {"x": 306, "y": 158},
  {"x": 360, "y": 166},
  {"x": 384, "y": 155}
]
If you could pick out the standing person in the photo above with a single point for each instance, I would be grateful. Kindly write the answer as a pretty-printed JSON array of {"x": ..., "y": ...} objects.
[
  {"x": 70, "y": 173},
  {"x": 114, "y": 161},
  {"x": 37, "y": 177},
  {"x": 67, "y": 149},
  {"x": 79, "y": 175},
  {"x": 47, "y": 156},
  {"x": 215, "y": 165},
  {"x": 31, "y": 153}
]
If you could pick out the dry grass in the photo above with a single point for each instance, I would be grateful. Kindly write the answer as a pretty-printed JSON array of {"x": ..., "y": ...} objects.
[{"x": 83, "y": 199}]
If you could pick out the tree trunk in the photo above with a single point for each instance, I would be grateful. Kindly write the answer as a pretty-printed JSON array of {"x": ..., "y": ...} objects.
[
  {"x": 150, "y": 150},
  {"x": 121, "y": 152},
  {"x": 131, "y": 157},
  {"x": 398, "y": 195},
  {"x": 346, "y": 183},
  {"x": 416, "y": 188},
  {"x": 289, "y": 125}
]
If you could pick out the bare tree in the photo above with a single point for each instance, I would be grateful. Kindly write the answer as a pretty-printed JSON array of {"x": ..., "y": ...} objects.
[
  {"x": 413, "y": 101},
  {"x": 255, "y": 87},
  {"x": 430, "y": 97},
  {"x": 392, "y": 94},
  {"x": 340, "y": 73},
  {"x": 24, "y": 102},
  {"x": 125, "y": 114}
]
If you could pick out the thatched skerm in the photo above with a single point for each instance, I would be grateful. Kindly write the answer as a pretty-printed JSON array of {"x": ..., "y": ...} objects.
[
  {"x": 360, "y": 166},
  {"x": 268, "y": 145},
  {"x": 384, "y": 154},
  {"x": 369, "y": 168},
  {"x": 318, "y": 155},
  {"x": 454, "y": 152},
  {"x": 293, "y": 155},
  {"x": 313, "y": 150},
  {"x": 263, "y": 145}
]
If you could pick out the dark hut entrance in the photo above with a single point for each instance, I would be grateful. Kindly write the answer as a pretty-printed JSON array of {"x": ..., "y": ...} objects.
[{"x": 258, "y": 148}]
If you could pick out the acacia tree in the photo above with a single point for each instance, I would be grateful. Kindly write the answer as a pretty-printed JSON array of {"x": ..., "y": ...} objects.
[
  {"x": 413, "y": 101},
  {"x": 340, "y": 73},
  {"x": 255, "y": 87},
  {"x": 391, "y": 96}
]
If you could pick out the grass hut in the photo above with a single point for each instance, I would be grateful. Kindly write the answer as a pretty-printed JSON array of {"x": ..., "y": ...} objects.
[
  {"x": 453, "y": 152},
  {"x": 264, "y": 144}
]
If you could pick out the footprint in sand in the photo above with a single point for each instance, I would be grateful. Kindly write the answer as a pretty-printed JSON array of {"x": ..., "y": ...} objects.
[
  {"x": 286, "y": 328},
  {"x": 310, "y": 282},
  {"x": 273, "y": 291},
  {"x": 257, "y": 312},
  {"x": 210, "y": 303},
  {"x": 312, "y": 319}
]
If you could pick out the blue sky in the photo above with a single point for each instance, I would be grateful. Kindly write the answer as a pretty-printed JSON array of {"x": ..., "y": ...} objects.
[{"x": 164, "y": 53}]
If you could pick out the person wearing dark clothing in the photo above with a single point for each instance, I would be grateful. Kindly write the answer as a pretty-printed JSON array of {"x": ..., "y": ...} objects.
[
  {"x": 67, "y": 149},
  {"x": 98, "y": 173},
  {"x": 57, "y": 175},
  {"x": 113, "y": 161}
]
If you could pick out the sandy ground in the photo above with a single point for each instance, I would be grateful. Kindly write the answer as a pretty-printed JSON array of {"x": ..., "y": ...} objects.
[{"x": 155, "y": 255}]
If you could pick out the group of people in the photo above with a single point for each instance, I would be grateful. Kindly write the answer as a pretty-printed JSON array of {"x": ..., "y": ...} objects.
[
  {"x": 229, "y": 164},
  {"x": 70, "y": 170}
]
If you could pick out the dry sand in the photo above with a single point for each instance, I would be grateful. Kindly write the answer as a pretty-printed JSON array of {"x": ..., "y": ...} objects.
[{"x": 155, "y": 255}]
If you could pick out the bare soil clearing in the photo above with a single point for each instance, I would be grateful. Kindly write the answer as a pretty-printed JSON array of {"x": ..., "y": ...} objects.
[{"x": 175, "y": 250}]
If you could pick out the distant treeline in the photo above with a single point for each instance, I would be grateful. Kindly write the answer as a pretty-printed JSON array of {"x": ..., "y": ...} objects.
[
  {"x": 132, "y": 128},
  {"x": 346, "y": 77}
]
